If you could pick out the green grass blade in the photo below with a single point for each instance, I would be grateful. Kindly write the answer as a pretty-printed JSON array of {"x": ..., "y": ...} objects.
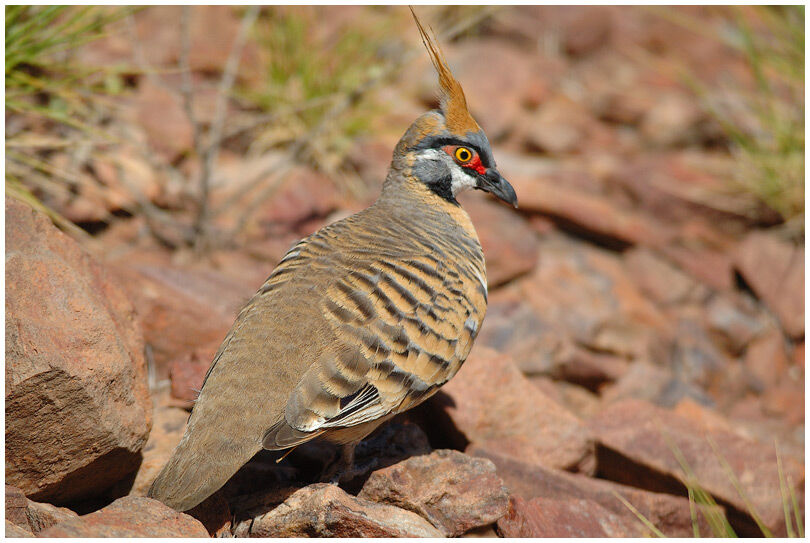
[
  {"x": 693, "y": 513},
  {"x": 784, "y": 493},
  {"x": 738, "y": 487},
  {"x": 797, "y": 512},
  {"x": 711, "y": 511},
  {"x": 16, "y": 189},
  {"x": 644, "y": 520}
]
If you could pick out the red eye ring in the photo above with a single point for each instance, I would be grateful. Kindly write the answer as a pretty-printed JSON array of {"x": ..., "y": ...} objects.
[{"x": 473, "y": 162}]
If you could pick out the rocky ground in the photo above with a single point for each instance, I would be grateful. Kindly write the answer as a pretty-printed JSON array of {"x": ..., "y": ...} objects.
[{"x": 644, "y": 337}]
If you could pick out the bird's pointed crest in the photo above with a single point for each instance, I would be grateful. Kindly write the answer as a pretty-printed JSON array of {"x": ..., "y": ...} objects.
[{"x": 453, "y": 104}]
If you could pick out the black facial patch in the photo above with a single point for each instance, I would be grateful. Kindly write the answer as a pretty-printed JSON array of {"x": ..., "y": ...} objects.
[{"x": 437, "y": 177}]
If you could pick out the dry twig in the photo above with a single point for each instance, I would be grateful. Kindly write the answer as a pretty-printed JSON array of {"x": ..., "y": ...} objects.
[
  {"x": 301, "y": 144},
  {"x": 208, "y": 154},
  {"x": 199, "y": 234}
]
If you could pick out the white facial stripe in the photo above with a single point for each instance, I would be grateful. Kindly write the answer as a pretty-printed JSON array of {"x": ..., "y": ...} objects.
[
  {"x": 431, "y": 154},
  {"x": 459, "y": 181}
]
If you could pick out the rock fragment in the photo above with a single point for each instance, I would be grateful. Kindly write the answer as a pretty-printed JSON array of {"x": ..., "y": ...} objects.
[
  {"x": 453, "y": 491},
  {"x": 638, "y": 444},
  {"x": 130, "y": 517},
  {"x": 78, "y": 411},
  {"x": 324, "y": 510}
]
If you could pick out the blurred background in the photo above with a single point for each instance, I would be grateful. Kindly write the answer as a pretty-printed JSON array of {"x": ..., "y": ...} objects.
[{"x": 657, "y": 154}]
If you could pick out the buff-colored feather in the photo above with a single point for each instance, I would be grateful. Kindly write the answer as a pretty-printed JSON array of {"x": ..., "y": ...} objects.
[{"x": 453, "y": 102}]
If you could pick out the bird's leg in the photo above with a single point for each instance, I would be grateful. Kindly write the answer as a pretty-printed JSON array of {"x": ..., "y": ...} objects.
[{"x": 341, "y": 469}]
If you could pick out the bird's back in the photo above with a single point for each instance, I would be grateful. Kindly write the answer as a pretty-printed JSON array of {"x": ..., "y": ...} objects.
[{"x": 364, "y": 319}]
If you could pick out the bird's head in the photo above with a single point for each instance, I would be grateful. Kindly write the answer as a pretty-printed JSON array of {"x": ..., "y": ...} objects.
[{"x": 445, "y": 148}]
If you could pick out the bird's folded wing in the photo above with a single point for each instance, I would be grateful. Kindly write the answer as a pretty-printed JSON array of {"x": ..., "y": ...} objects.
[{"x": 402, "y": 328}]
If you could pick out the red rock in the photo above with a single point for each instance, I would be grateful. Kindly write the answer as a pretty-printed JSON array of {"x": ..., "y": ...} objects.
[
  {"x": 614, "y": 85},
  {"x": 509, "y": 243},
  {"x": 767, "y": 359},
  {"x": 181, "y": 309},
  {"x": 234, "y": 275},
  {"x": 585, "y": 295},
  {"x": 86, "y": 201},
  {"x": 494, "y": 100},
  {"x": 654, "y": 384},
  {"x": 706, "y": 265},
  {"x": 263, "y": 484},
  {"x": 513, "y": 327},
  {"x": 622, "y": 105},
  {"x": 130, "y": 517},
  {"x": 674, "y": 120},
  {"x": 585, "y": 368},
  {"x": 16, "y": 507},
  {"x": 324, "y": 510},
  {"x": 239, "y": 177},
  {"x": 682, "y": 188},
  {"x": 536, "y": 92},
  {"x": 703, "y": 416},
  {"x": 734, "y": 320},
  {"x": 188, "y": 373},
  {"x": 42, "y": 516},
  {"x": 786, "y": 399},
  {"x": 636, "y": 443},
  {"x": 775, "y": 271},
  {"x": 31, "y": 515},
  {"x": 259, "y": 481},
  {"x": 798, "y": 355},
  {"x": 12, "y": 530},
  {"x": 670, "y": 514},
  {"x": 580, "y": 401},
  {"x": 157, "y": 39},
  {"x": 696, "y": 358},
  {"x": 664, "y": 283},
  {"x": 587, "y": 30},
  {"x": 213, "y": 30},
  {"x": 752, "y": 420},
  {"x": 371, "y": 158},
  {"x": 454, "y": 492},
  {"x": 259, "y": 498},
  {"x": 590, "y": 213},
  {"x": 541, "y": 225},
  {"x": 563, "y": 517},
  {"x": 77, "y": 405},
  {"x": 160, "y": 114},
  {"x": 118, "y": 172},
  {"x": 560, "y": 126},
  {"x": 271, "y": 250},
  {"x": 303, "y": 195},
  {"x": 489, "y": 401}
]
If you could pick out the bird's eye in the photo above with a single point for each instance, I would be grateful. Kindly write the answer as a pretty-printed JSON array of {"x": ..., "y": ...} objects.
[{"x": 463, "y": 154}]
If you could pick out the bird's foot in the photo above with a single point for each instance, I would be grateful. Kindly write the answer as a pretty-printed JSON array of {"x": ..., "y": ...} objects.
[
  {"x": 347, "y": 474},
  {"x": 341, "y": 470}
]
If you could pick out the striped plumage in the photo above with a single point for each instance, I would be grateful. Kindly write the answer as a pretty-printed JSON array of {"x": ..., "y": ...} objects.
[
  {"x": 400, "y": 319},
  {"x": 360, "y": 321}
]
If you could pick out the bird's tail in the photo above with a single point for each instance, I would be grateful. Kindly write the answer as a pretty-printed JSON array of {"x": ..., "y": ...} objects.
[{"x": 198, "y": 467}]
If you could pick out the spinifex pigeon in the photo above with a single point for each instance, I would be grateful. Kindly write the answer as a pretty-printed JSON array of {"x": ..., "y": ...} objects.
[{"x": 362, "y": 320}]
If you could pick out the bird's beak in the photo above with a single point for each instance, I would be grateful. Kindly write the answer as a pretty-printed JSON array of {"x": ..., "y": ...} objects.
[{"x": 492, "y": 181}]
